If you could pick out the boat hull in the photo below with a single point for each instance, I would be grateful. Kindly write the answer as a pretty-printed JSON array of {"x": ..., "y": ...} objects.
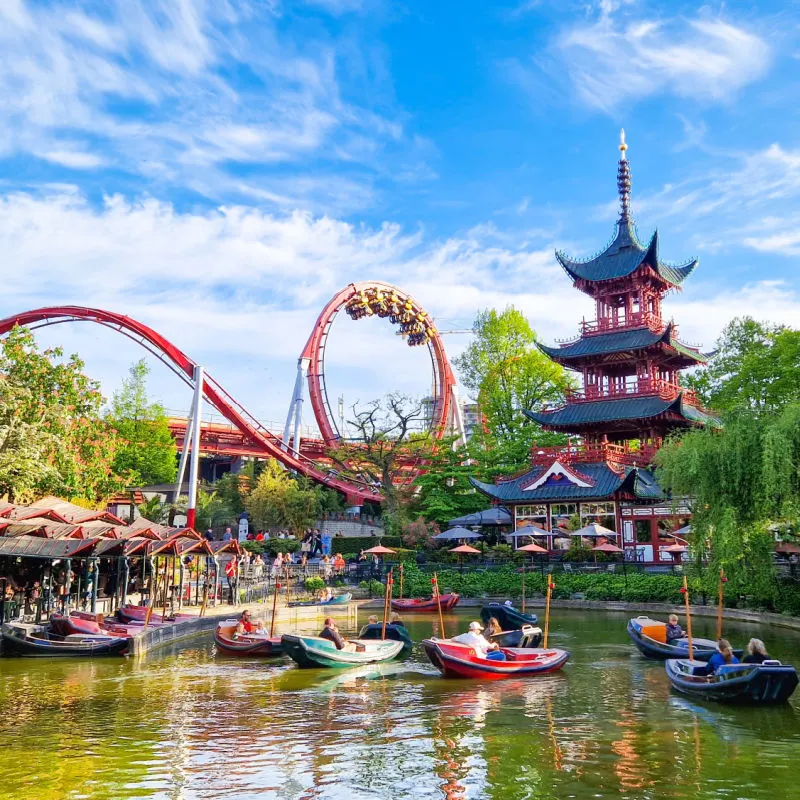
[
  {"x": 510, "y": 618},
  {"x": 455, "y": 660},
  {"x": 448, "y": 601},
  {"x": 312, "y": 652},
  {"x": 134, "y": 614},
  {"x": 757, "y": 684},
  {"x": 41, "y": 644},
  {"x": 651, "y": 648},
  {"x": 394, "y": 631},
  {"x": 245, "y": 645},
  {"x": 339, "y": 600}
]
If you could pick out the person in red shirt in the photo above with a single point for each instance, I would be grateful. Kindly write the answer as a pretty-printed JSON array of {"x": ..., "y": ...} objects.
[{"x": 246, "y": 624}]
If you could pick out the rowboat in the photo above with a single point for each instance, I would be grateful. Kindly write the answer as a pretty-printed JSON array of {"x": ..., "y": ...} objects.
[
  {"x": 650, "y": 636},
  {"x": 133, "y": 614},
  {"x": 395, "y": 631},
  {"x": 510, "y": 618},
  {"x": 38, "y": 640},
  {"x": 93, "y": 624},
  {"x": 339, "y": 600},
  {"x": 457, "y": 660},
  {"x": 314, "y": 651},
  {"x": 447, "y": 601},
  {"x": 526, "y": 637},
  {"x": 245, "y": 644},
  {"x": 767, "y": 683}
]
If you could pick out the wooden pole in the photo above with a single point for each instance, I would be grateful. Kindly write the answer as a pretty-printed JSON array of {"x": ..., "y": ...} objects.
[
  {"x": 205, "y": 587},
  {"x": 721, "y": 593},
  {"x": 685, "y": 591},
  {"x": 154, "y": 583},
  {"x": 523, "y": 587},
  {"x": 164, "y": 612},
  {"x": 402, "y": 573},
  {"x": 386, "y": 600},
  {"x": 550, "y": 586},
  {"x": 438, "y": 603},
  {"x": 274, "y": 607}
]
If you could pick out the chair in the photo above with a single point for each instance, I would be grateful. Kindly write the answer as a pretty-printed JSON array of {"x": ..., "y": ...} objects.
[{"x": 611, "y": 568}]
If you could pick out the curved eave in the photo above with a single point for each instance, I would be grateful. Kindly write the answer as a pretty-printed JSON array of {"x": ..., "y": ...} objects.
[
  {"x": 676, "y": 275},
  {"x": 487, "y": 488}
]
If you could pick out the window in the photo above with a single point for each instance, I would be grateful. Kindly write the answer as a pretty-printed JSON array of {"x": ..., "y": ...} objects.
[
  {"x": 531, "y": 514},
  {"x": 643, "y": 533},
  {"x": 602, "y": 513}
]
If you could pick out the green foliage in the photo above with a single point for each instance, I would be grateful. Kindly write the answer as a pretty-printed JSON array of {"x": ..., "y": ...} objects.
[
  {"x": 314, "y": 584},
  {"x": 271, "y": 547},
  {"x": 281, "y": 501},
  {"x": 355, "y": 544},
  {"x": 419, "y": 533},
  {"x": 52, "y": 437},
  {"x": 507, "y": 373},
  {"x": 148, "y": 452},
  {"x": 373, "y": 587},
  {"x": 756, "y": 366},
  {"x": 234, "y": 488},
  {"x": 155, "y": 509},
  {"x": 743, "y": 479}
]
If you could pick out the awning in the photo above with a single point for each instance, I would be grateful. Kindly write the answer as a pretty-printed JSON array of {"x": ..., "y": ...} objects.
[
  {"x": 457, "y": 533},
  {"x": 39, "y": 547},
  {"x": 491, "y": 516}
]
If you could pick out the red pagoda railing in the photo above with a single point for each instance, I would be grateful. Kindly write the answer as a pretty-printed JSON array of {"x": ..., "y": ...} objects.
[
  {"x": 594, "y": 452},
  {"x": 637, "y": 319},
  {"x": 642, "y": 387}
]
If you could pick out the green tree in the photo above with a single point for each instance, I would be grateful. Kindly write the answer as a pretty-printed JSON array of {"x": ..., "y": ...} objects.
[
  {"x": 52, "y": 437},
  {"x": 742, "y": 481},
  {"x": 756, "y": 366},
  {"x": 507, "y": 374},
  {"x": 279, "y": 500},
  {"x": 148, "y": 454}
]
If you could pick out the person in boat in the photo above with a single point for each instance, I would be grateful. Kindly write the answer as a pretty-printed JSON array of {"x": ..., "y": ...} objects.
[
  {"x": 246, "y": 625},
  {"x": 372, "y": 619},
  {"x": 493, "y": 627},
  {"x": 482, "y": 646},
  {"x": 756, "y": 652},
  {"x": 396, "y": 619},
  {"x": 674, "y": 630},
  {"x": 331, "y": 633},
  {"x": 723, "y": 656}
]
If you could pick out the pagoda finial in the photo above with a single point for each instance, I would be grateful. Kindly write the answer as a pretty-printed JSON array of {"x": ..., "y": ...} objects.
[{"x": 624, "y": 180}]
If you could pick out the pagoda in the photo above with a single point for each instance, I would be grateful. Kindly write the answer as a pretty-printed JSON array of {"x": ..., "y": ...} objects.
[{"x": 631, "y": 398}]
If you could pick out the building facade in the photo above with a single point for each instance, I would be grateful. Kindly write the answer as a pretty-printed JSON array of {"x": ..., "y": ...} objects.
[{"x": 629, "y": 359}]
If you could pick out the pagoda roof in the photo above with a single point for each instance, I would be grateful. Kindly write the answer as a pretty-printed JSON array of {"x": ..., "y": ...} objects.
[
  {"x": 623, "y": 256},
  {"x": 602, "y": 480},
  {"x": 577, "y": 415},
  {"x": 618, "y": 342}
]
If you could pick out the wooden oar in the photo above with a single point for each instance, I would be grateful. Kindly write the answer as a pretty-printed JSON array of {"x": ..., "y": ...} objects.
[
  {"x": 721, "y": 591},
  {"x": 523, "y": 587},
  {"x": 550, "y": 587},
  {"x": 386, "y": 600},
  {"x": 274, "y": 606},
  {"x": 685, "y": 592},
  {"x": 439, "y": 603}
]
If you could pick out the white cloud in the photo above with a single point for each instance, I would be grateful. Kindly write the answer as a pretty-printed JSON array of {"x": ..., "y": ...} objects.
[
  {"x": 74, "y": 159},
  {"x": 609, "y": 62}
]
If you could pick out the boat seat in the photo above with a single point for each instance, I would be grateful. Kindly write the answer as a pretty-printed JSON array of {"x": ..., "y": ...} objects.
[{"x": 771, "y": 662}]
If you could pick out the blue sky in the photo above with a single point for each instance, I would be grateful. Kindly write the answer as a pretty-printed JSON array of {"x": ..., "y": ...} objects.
[{"x": 219, "y": 169}]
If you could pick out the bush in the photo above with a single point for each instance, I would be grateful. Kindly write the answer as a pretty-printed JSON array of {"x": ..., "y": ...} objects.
[
  {"x": 355, "y": 544},
  {"x": 271, "y": 547},
  {"x": 375, "y": 588},
  {"x": 314, "y": 584}
]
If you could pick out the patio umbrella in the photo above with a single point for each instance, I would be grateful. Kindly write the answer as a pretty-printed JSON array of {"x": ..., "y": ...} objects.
[
  {"x": 594, "y": 530},
  {"x": 380, "y": 550},
  {"x": 684, "y": 531},
  {"x": 491, "y": 516},
  {"x": 787, "y": 547},
  {"x": 529, "y": 548},
  {"x": 605, "y": 547},
  {"x": 681, "y": 548},
  {"x": 457, "y": 533},
  {"x": 461, "y": 550}
]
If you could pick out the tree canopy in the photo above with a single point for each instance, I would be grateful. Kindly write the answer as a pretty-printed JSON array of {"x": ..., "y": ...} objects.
[
  {"x": 756, "y": 366},
  {"x": 147, "y": 454},
  {"x": 52, "y": 436}
]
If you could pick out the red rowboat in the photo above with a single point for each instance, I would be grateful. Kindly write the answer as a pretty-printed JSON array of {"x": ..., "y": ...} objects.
[
  {"x": 456, "y": 660},
  {"x": 448, "y": 601},
  {"x": 133, "y": 614},
  {"x": 245, "y": 644},
  {"x": 82, "y": 623}
]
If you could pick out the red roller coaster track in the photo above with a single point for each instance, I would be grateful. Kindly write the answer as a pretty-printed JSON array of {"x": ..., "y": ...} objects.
[{"x": 183, "y": 366}]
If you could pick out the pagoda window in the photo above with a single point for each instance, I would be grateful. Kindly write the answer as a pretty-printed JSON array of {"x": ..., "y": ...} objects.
[
  {"x": 603, "y": 513},
  {"x": 536, "y": 514},
  {"x": 561, "y": 513}
]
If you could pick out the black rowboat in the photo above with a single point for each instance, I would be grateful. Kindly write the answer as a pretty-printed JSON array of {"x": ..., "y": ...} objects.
[
  {"x": 510, "y": 618},
  {"x": 649, "y": 636},
  {"x": 30, "y": 640},
  {"x": 760, "y": 684},
  {"x": 394, "y": 630}
]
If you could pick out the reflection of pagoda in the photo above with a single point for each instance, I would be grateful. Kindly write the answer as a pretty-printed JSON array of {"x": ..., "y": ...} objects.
[{"x": 630, "y": 360}]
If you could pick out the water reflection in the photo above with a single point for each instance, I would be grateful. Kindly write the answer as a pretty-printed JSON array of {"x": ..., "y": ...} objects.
[{"x": 188, "y": 725}]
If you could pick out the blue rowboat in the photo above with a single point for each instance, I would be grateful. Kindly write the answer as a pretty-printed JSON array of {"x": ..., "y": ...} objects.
[
  {"x": 339, "y": 600},
  {"x": 760, "y": 684},
  {"x": 314, "y": 651},
  {"x": 650, "y": 638}
]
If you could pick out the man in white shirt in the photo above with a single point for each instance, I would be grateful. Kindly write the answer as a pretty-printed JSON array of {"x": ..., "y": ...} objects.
[{"x": 475, "y": 639}]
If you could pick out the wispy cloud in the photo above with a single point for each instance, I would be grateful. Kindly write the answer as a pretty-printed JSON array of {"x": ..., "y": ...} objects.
[
  {"x": 168, "y": 88},
  {"x": 618, "y": 59}
]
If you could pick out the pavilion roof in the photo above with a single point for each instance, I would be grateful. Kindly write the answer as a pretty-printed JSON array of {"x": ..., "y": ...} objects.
[
  {"x": 39, "y": 547},
  {"x": 574, "y": 416},
  {"x": 620, "y": 342},
  {"x": 69, "y": 512},
  {"x": 593, "y": 481},
  {"x": 623, "y": 256}
]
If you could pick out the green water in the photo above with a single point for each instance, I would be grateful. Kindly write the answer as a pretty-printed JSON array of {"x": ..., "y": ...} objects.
[{"x": 184, "y": 724}]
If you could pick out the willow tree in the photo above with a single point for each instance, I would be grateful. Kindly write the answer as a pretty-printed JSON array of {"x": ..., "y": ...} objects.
[{"x": 744, "y": 481}]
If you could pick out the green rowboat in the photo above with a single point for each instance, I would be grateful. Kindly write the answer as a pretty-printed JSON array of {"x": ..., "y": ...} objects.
[{"x": 312, "y": 651}]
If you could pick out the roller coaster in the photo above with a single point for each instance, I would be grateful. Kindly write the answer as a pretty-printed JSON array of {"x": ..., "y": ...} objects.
[{"x": 358, "y": 301}]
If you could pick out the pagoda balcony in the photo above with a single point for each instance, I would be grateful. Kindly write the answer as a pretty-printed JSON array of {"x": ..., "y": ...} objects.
[
  {"x": 595, "y": 453},
  {"x": 637, "y": 319},
  {"x": 642, "y": 387}
]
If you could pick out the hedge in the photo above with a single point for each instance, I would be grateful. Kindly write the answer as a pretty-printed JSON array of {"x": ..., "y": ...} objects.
[{"x": 355, "y": 544}]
